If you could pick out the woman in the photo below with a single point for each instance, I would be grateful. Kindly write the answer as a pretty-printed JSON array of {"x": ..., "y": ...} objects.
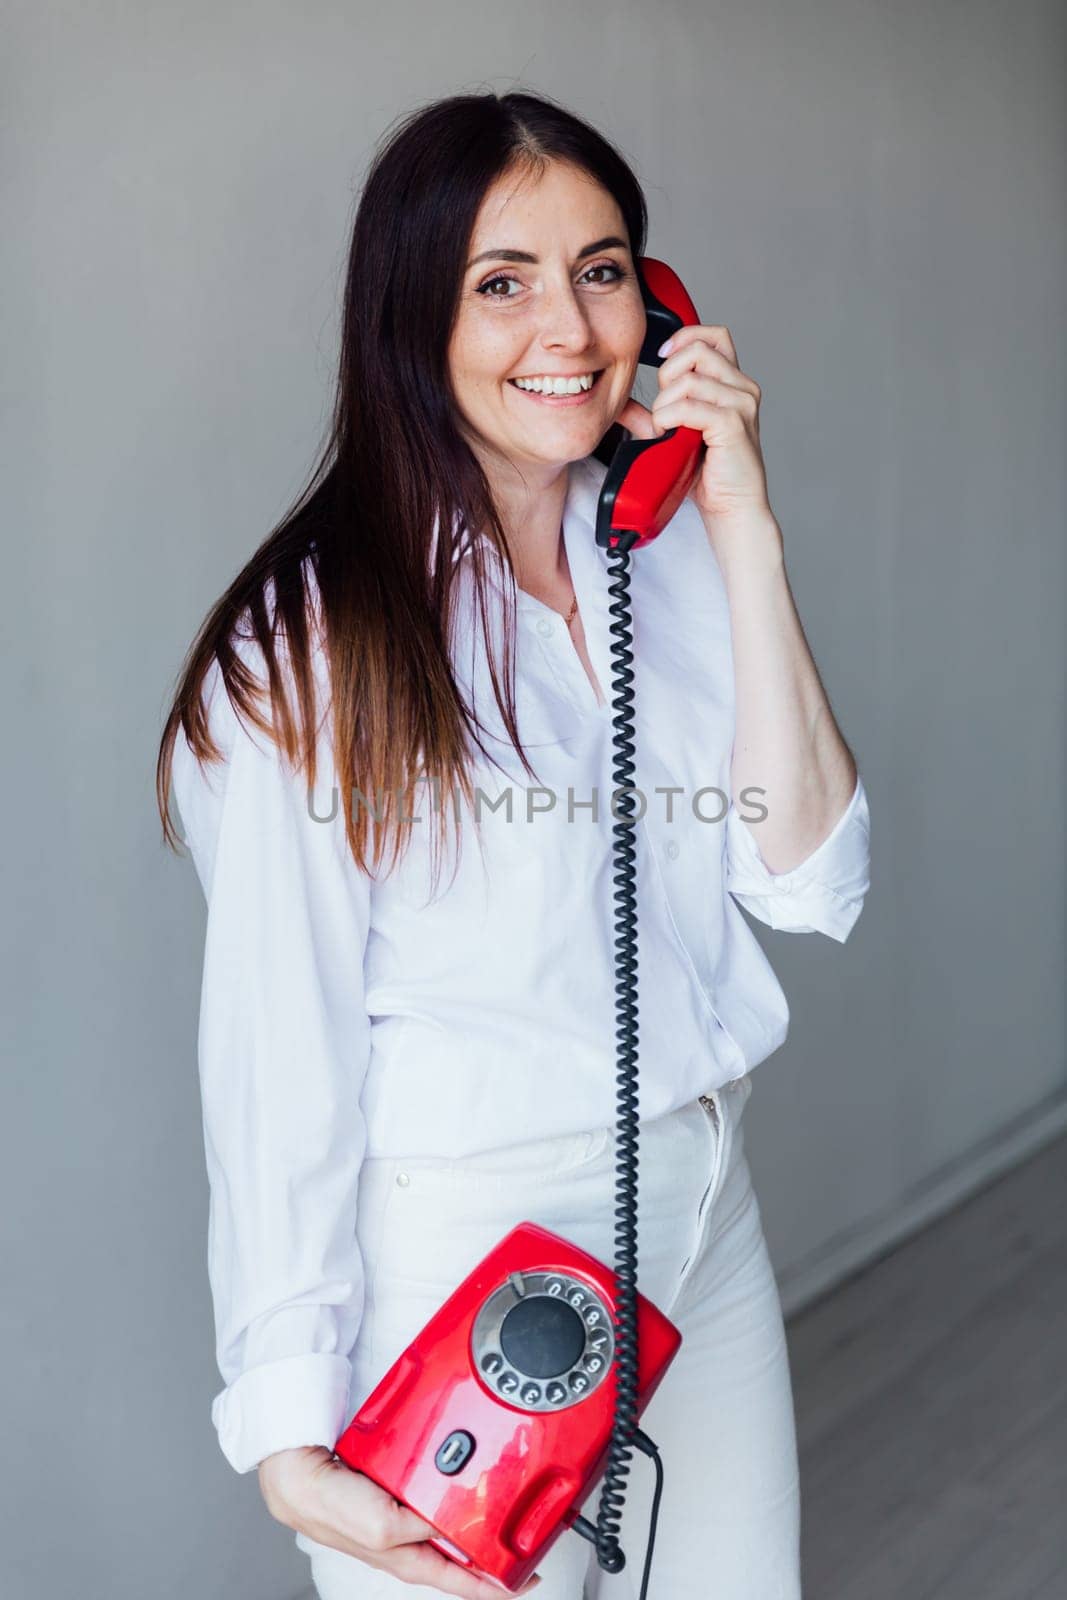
[{"x": 394, "y": 1072}]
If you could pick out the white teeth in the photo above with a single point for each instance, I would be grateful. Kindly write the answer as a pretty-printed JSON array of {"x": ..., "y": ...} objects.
[{"x": 556, "y": 385}]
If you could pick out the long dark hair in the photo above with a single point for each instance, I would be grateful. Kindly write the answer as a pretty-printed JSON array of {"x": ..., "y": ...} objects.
[{"x": 395, "y": 468}]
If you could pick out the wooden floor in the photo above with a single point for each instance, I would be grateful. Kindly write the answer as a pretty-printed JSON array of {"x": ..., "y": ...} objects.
[{"x": 931, "y": 1396}]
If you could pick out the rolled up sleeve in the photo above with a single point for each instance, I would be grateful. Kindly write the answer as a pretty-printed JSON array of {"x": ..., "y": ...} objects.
[
  {"x": 822, "y": 894},
  {"x": 284, "y": 1043}
]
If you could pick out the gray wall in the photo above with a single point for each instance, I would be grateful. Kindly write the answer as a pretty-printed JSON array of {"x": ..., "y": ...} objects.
[{"x": 871, "y": 198}]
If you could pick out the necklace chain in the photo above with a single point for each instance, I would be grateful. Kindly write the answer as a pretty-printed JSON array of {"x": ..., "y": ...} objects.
[{"x": 569, "y": 618}]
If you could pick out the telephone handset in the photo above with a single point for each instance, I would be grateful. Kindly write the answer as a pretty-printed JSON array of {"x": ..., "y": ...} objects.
[
  {"x": 526, "y": 1386},
  {"x": 648, "y": 479}
]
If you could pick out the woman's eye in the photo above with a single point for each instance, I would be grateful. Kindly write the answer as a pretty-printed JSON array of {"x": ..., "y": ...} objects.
[
  {"x": 483, "y": 288},
  {"x": 608, "y": 266},
  {"x": 506, "y": 277}
]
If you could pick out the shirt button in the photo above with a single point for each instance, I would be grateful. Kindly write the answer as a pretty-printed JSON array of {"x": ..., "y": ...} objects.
[
  {"x": 672, "y": 849},
  {"x": 402, "y": 1179},
  {"x": 544, "y": 627}
]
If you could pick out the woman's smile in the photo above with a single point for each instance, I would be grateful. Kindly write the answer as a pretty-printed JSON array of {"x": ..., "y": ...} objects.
[{"x": 552, "y": 399}]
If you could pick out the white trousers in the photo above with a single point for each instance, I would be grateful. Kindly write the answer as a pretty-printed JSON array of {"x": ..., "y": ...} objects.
[{"x": 722, "y": 1417}]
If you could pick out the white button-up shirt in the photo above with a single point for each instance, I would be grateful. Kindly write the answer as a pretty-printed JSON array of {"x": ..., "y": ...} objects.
[{"x": 344, "y": 1017}]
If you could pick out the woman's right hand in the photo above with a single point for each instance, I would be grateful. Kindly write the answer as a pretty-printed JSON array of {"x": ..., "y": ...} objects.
[{"x": 309, "y": 1490}]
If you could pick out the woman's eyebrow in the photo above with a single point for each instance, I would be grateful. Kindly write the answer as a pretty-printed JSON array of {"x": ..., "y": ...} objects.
[{"x": 607, "y": 243}]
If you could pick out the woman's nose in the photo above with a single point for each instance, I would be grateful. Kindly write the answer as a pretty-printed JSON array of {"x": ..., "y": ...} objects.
[{"x": 564, "y": 322}]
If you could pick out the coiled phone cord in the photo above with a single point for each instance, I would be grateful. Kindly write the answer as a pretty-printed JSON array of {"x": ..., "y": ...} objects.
[{"x": 624, "y": 1433}]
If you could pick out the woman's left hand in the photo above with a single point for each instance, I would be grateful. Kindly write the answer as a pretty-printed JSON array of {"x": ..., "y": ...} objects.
[{"x": 702, "y": 387}]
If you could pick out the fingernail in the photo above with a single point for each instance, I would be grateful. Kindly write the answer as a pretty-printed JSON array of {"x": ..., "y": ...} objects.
[{"x": 665, "y": 347}]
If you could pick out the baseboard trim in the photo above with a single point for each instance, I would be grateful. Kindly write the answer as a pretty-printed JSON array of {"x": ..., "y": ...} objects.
[{"x": 827, "y": 1267}]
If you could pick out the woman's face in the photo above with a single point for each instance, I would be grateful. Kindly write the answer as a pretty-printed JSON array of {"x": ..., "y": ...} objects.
[{"x": 563, "y": 310}]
